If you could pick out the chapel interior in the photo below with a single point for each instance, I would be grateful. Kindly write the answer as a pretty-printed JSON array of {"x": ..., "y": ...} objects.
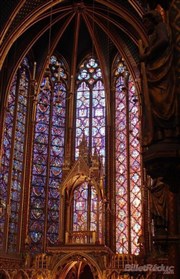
[{"x": 89, "y": 139}]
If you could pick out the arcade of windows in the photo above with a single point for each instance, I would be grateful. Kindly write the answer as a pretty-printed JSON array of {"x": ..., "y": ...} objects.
[{"x": 48, "y": 148}]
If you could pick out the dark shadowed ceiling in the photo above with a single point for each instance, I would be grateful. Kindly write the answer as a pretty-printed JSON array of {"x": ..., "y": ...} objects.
[{"x": 71, "y": 28}]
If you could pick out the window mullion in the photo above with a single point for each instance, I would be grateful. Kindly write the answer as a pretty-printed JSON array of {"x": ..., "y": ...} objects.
[
  {"x": 26, "y": 91},
  {"x": 90, "y": 121},
  {"x": 8, "y": 205},
  {"x": 89, "y": 208},
  {"x": 126, "y": 78},
  {"x": 48, "y": 167}
]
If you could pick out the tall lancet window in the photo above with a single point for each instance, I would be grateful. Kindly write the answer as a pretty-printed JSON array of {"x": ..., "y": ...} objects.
[
  {"x": 128, "y": 163},
  {"x": 13, "y": 157},
  {"x": 48, "y": 157},
  {"x": 91, "y": 122},
  {"x": 90, "y": 107}
]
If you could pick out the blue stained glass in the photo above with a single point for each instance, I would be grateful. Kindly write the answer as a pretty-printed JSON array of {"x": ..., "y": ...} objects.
[
  {"x": 37, "y": 213},
  {"x": 35, "y": 236},
  {"x": 90, "y": 71},
  {"x": 15, "y": 196},
  {"x": 54, "y": 183},
  {"x": 54, "y": 194},
  {"x": 57, "y": 141},
  {"x": 90, "y": 120},
  {"x": 38, "y": 191},
  {"x": 48, "y": 153},
  {"x": 54, "y": 215},
  {"x": 11, "y": 182},
  {"x": 42, "y": 128},
  {"x": 53, "y": 60},
  {"x": 41, "y": 138}
]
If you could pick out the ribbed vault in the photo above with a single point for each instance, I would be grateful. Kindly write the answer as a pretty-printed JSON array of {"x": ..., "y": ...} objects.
[{"x": 73, "y": 29}]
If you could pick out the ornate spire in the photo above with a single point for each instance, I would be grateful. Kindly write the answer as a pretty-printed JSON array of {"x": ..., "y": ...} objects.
[
  {"x": 83, "y": 148},
  {"x": 95, "y": 159}
]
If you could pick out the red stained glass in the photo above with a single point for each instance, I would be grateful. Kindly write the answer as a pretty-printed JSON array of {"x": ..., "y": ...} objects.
[{"x": 128, "y": 166}]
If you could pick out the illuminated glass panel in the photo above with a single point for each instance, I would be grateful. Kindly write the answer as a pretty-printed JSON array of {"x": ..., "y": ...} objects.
[
  {"x": 6, "y": 154},
  {"x": 93, "y": 210},
  {"x": 48, "y": 156},
  {"x": 121, "y": 170},
  {"x": 87, "y": 210},
  {"x": 80, "y": 214},
  {"x": 98, "y": 119},
  {"x": 135, "y": 169},
  {"x": 128, "y": 178},
  {"x": 90, "y": 108},
  {"x": 11, "y": 177},
  {"x": 91, "y": 121},
  {"x": 82, "y": 113}
]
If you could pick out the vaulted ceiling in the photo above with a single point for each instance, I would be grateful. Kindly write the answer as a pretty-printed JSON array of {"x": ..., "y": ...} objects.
[{"x": 71, "y": 28}]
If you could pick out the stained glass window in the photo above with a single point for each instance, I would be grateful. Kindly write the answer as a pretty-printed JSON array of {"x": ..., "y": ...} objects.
[
  {"x": 12, "y": 175},
  {"x": 80, "y": 212},
  {"x": 48, "y": 156},
  {"x": 90, "y": 107},
  {"x": 90, "y": 120},
  {"x": 128, "y": 167},
  {"x": 87, "y": 210}
]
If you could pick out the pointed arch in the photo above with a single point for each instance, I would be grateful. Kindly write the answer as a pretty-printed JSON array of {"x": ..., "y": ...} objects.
[
  {"x": 68, "y": 260},
  {"x": 90, "y": 107},
  {"x": 127, "y": 161},
  {"x": 13, "y": 158},
  {"x": 48, "y": 156}
]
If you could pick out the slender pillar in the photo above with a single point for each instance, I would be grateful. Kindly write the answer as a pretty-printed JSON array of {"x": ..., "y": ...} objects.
[{"x": 173, "y": 259}]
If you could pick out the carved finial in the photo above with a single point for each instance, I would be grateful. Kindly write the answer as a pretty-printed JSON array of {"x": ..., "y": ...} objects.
[
  {"x": 95, "y": 152},
  {"x": 95, "y": 158},
  {"x": 83, "y": 148}
]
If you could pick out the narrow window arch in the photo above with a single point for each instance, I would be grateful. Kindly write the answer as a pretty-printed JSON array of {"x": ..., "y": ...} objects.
[
  {"x": 48, "y": 156},
  {"x": 87, "y": 214},
  {"x": 80, "y": 208},
  {"x": 90, "y": 107},
  {"x": 90, "y": 122},
  {"x": 127, "y": 161},
  {"x": 13, "y": 158}
]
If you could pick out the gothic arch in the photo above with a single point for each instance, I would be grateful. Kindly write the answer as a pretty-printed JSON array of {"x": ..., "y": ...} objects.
[
  {"x": 5, "y": 274},
  {"x": 69, "y": 261},
  {"x": 21, "y": 274},
  {"x": 74, "y": 179},
  {"x": 40, "y": 275}
]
